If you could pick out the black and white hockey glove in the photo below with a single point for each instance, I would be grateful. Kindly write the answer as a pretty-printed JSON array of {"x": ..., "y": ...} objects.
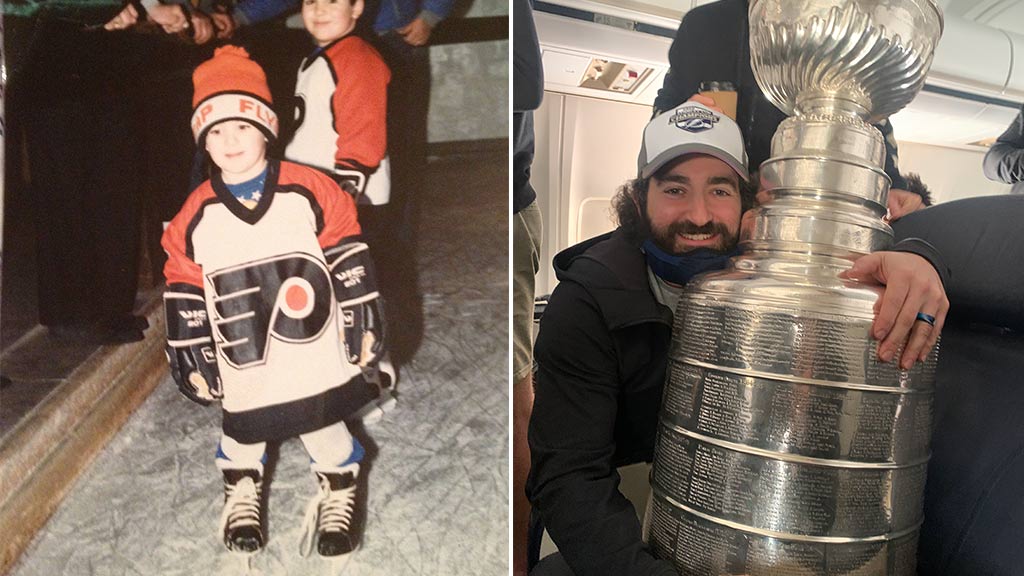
[
  {"x": 190, "y": 349},
  {"x": 359, "y": 301},
  {"x": 351, "y": 181}
]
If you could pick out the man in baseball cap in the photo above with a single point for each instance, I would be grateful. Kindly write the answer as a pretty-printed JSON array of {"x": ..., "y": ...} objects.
[{"x": 602, "y": 350}]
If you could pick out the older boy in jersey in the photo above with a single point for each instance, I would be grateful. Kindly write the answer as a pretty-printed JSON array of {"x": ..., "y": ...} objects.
[
  {"x": 341, "y": 102},
  {"x": 271, "y": 306}
]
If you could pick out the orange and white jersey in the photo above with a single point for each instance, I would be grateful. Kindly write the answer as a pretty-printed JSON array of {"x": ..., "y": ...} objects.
[
  {"x": 340, "y": 116},
  {"x": 270, "y": 299}
]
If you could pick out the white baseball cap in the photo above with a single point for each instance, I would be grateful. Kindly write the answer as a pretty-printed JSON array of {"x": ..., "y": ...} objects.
[{"x": 691, "y": 128}]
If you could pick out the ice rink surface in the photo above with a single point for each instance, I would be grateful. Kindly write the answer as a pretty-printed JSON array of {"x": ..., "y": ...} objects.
[{"x": 435, "y": 496}]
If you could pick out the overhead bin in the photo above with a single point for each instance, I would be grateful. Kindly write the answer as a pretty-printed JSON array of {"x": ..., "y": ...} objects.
[{"x": 979, "y": 59}]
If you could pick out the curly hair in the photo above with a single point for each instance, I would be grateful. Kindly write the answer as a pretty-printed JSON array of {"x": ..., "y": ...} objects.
[
  {"x": 915, "y": 185},
  {"x": 630, "y": 206}
]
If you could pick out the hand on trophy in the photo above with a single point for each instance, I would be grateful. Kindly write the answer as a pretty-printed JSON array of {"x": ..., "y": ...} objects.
[
  {"x": 914, "y": 303},
  {"x": 707, "y": 101}
]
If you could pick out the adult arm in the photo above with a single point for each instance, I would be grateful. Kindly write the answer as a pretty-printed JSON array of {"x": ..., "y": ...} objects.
[
  {"x": 1004, "y": 161},
  {"x": 573, "y": 482},
  {"x": 913, "y": 274},
  {"x": 249, "y": 12},
  {"x": 527, "y": 70},
  {"x": 982, "y": 242},
  {"x": 682, "y": 79},
  {"x": 434, "y": 11},
  {"x": 417, "y": 32}
]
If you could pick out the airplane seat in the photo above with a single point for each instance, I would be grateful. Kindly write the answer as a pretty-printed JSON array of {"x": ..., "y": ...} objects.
[
  {"x": 594, "y": 217},
  {"x": 974, "y": 510}
]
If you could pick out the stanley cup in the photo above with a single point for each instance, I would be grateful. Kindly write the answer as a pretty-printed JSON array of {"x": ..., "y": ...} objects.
[{"x": 784, "y": 445}]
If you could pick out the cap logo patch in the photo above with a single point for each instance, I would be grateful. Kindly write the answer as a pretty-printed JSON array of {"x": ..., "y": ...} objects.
[{"x": 693, "y": 119}]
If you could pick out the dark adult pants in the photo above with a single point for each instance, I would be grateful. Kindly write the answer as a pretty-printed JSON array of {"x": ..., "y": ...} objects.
[
  {"x": 391, "y": 230},
  {"x": 82, "y": 162},
  {"x": 408, "y": 105}
]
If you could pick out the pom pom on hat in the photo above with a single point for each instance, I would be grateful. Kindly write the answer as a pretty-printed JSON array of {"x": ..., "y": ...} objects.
[{"x": 230, "y": 86}]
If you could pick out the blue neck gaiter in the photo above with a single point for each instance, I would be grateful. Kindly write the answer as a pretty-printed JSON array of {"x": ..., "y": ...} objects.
[
  {"x": 251, "y": 189},
  {"x": 679, "y": 269}
]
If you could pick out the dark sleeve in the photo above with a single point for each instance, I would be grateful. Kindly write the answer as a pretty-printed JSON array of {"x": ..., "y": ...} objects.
[
  {"x": 982, "y": 242},
  {"x": 925, "y": 250},
  {"x": 527, "y": 70},
  {"x": 573, "y": 483},
  {"x": 682, "y": 79},
  {"x": 434, "y": 11},
  {"x": 249, "y": 12},
  {"x": 892, "y": 167},
  {"x": 1004, "y": 161}
]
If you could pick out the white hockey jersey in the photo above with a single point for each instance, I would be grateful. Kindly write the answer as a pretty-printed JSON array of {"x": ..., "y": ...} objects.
[
  {"x": 341, "y": 112},
  {"x": 270, "y": 299}
]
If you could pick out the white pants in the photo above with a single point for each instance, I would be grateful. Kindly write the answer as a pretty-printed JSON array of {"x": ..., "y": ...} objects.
[{"x": 328, "y": 446}]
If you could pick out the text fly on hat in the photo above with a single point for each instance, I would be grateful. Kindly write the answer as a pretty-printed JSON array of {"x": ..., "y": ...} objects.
[{"x": 233, "y": 107}]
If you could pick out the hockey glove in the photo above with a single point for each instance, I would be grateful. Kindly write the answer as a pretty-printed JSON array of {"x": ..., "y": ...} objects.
[
  {"x": 351, "y": 181},
  {"x": 190, "y": 350},
  {"x": 359, "y": 303}
]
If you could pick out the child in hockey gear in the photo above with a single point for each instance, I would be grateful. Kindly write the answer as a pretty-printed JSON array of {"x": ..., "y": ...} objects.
[
  {"x": 341, "y": 102},
  {"x": 340, "y": 128},
  {"x": 272, "y": 305}
]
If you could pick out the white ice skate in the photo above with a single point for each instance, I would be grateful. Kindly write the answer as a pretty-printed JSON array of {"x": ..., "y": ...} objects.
[
  {"x": 241, "y": 522},
  {"x": 329, "y": 514}
]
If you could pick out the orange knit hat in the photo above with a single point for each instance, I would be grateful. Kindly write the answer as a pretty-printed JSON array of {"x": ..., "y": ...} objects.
[{"x": 230, "y": 86}]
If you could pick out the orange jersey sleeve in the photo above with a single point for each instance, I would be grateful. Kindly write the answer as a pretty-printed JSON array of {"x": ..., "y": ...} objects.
[
  {"x": 339, "y": 210},
  {"x": 359, "y": 104},
  {"x": 180, "y": 266}
]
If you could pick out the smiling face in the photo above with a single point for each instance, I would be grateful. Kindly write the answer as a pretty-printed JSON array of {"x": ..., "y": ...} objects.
[
  {"x": 328, "y": 20},
  {"x": 694, "y": 204},
  {"x": 238, "y": 148}
]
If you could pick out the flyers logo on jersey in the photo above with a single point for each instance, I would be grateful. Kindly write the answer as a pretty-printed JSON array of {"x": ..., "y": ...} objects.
[{"x": 287, "y": 297}]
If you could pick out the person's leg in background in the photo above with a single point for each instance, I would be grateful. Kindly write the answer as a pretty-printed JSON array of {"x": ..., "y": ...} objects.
[
  {"x": 115, "y": 226},
  {"x": 82, "y": 166},
  {"x": 56, "y": 173},
  {"x": 81, "y": 160},
  {"x": 526, "y": 239},
  {"x": 392, "y": 228}
]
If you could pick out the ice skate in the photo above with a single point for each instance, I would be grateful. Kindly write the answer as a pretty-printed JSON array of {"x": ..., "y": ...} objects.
[
  {"x": 242, "y": 520},
  {"x": 329, "y": 514}
]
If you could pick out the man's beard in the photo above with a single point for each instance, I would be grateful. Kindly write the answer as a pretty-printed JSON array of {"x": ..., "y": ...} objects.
[{"x": 665, "y": 238}]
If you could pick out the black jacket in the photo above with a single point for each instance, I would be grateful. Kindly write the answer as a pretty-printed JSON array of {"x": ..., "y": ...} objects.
[
  {"x": 1004, "y": 161},
  {"x": 602, "y": 354},
  {"x": 973, "y": 513},
  {"x": 712, "y": 45}
]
